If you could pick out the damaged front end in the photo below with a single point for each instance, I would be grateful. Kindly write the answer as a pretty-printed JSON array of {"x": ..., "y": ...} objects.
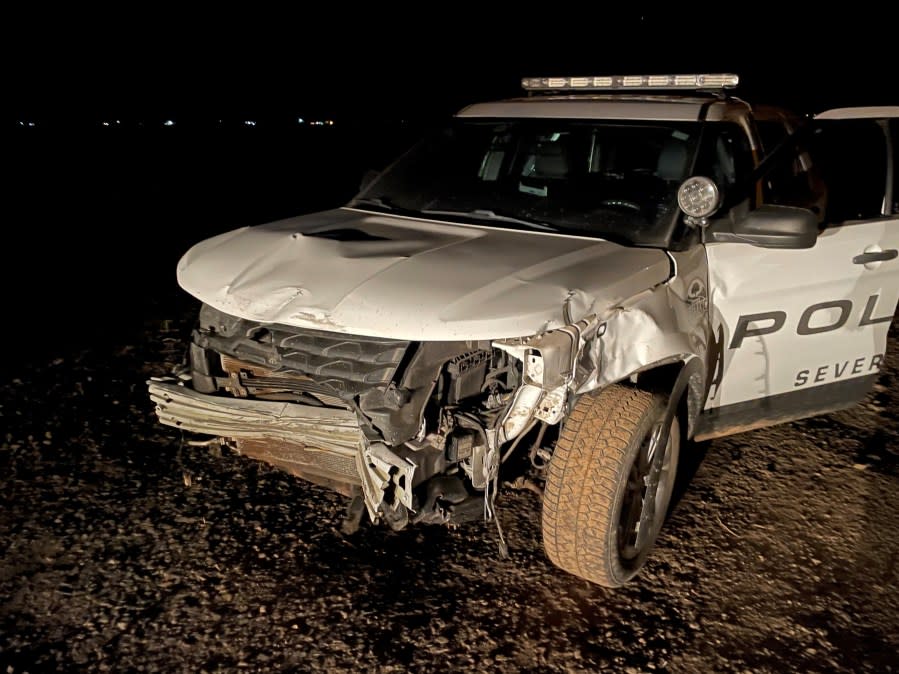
[{"x": 414, "y": 430}]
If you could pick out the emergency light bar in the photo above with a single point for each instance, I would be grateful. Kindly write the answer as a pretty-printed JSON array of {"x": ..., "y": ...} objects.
[{"x": 631, "y": 82}]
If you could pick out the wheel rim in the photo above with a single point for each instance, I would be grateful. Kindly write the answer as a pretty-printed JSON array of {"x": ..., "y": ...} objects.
[{"x": 647, "y": 493}]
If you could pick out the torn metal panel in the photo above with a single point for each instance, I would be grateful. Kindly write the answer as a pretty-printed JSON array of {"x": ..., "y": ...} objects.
[
  {"x": 322, "y": 429},
  {"x": 548, "y": 367},
  {"x": 666, "y": 324},
  {"x": 384, "y": 473},
  {"x": 552, "y": 405},
  {"x": 355, "y": 272},
  {"x": 520, "y": 411},
  {"x": 397, "y": 411},
  {"x": 640, "y": 335}
]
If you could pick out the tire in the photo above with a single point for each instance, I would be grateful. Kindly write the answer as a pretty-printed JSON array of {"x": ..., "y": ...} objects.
[{"x": 596, "y": 485}]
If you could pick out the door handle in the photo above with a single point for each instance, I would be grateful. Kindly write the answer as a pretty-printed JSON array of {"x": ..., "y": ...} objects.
[{"x": 878, "y": 256}]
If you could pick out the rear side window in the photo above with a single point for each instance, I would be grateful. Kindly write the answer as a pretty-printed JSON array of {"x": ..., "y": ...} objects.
[
  {"x": 852, "y": 158},
  {"x": 795, "y": 179}
]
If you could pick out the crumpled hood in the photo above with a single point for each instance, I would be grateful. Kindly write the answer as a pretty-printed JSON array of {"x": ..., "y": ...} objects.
[{"x": 365, "y": 273}]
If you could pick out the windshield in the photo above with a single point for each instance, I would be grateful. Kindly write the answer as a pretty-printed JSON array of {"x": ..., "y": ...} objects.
[{"x": 613, "y": 180}]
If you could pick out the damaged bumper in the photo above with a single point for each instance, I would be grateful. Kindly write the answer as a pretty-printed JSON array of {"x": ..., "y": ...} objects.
[
  {"x": 321, "y": 444},
  {"x": 312, "y": 442}
]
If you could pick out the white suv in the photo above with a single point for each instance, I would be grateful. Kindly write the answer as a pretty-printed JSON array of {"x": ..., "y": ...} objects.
[{"x": 587, "y": 277}]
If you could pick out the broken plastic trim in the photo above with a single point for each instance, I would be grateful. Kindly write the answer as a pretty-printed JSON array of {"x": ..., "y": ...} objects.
[
  {"x": 549, "y": 365},
  {"x": 382, "y": 473}
]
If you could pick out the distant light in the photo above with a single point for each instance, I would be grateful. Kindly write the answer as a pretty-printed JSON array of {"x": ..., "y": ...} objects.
[
  {"x": 249, "y": 122},
  {"x": 105, "y": 123},
  {"x": 318, "y": 122},
  {"x": 169, "y": 122},
  {"x": 329, "y": 122},
  {"x": 300, "y": 120},
  {"x": 26, "y": 123}
]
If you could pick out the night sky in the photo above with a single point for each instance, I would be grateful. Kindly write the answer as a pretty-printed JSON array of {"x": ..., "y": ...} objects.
[
  {"x": 105, "y": 215},
  {"x": 427, "y": 62},
  {"x": 95, "y": 220}
]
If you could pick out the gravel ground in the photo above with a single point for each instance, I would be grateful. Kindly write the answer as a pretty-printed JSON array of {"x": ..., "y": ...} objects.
[{"x": 123, "y": 550}]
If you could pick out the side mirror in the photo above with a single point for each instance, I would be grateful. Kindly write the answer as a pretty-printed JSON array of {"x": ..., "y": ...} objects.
[{"x": 768, "y": 226}]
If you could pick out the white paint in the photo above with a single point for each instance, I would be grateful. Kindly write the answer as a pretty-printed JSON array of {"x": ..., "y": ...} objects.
[
  {"x": 871, "y": 112},
  {"x": 615, "y": 106},
  {"x": 750, "y": 280},
  {"x": 423, "y": 280}
]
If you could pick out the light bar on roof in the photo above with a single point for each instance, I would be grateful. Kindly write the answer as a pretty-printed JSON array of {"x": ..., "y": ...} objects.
[{"x": 631, "y": 82}]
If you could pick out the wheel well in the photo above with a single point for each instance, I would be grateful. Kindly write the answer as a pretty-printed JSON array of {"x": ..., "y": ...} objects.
[
  {"x": 682, "y": 379},
  {"x": 660, "y": 379}
]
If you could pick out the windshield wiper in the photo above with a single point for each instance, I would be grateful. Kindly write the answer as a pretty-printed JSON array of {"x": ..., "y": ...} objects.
[
  {"x": 374, "y": 201},
  {"x": 477, "y": 213},
  {"x": 383, "y": 204},
  {"x": 486, "y": 214}
]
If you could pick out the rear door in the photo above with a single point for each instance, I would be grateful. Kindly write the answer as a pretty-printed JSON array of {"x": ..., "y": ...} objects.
[{"x": 802, "y": 332}]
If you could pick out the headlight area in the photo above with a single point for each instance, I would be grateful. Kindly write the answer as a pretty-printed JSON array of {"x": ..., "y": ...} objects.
[
  {"x": 551, "y": 362},
  {"x": 415, "y": 432}
]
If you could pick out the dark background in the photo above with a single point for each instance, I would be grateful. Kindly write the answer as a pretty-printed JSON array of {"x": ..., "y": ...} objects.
[
  {"x": 781, "y": 556},
  {"x": 97, "y": 216}
]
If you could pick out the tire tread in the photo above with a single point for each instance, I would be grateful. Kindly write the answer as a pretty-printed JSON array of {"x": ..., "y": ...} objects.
[{"x": 584, "y": 478}]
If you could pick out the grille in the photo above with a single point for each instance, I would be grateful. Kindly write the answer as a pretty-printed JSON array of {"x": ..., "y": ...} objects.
[
  {"x": 342, "y": 365},
  {"x": 262, "y": 382}
]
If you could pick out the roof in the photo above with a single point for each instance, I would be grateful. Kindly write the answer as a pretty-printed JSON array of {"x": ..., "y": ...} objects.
[
  {"x": 658, "y": 108},
  {"x": 872, "y": 112}
]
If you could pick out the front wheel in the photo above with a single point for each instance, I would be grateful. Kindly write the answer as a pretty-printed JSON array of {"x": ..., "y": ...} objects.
[{"x": 609, "y": 485}]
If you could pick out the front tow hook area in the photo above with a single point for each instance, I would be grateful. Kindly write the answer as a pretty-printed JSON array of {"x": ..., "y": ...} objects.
[{"x": 448, "y": 501}]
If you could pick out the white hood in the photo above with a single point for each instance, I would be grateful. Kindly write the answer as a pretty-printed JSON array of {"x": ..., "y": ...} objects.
[{"x": 365, "y": 273}]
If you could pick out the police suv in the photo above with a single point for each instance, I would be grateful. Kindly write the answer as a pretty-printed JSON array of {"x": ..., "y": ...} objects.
[{"x": 580, "y": 280}]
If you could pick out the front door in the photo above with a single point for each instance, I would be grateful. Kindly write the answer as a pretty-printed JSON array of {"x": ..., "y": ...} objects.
[{"x": 801, "y": 332}]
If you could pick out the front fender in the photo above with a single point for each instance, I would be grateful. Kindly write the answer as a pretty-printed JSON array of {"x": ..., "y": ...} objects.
[{"x": 663, "y": 330}]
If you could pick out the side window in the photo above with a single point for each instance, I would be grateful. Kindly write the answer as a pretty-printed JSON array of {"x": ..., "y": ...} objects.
[
  {"x": 852, "y": 156},
  {"x": 795, "y": 180}
]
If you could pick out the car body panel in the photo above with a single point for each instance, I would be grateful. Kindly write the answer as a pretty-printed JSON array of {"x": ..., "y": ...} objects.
[
  {"x": 494, "y": 329},
  {"x": 824, "y": 299},
  {"x": 800, "y": 332},
  {"x": 406, "y": 278},
  {"x": 618, "y": 107},
  {"x": 662, "y": 325},
  {"x": 862, "y": 112}
]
